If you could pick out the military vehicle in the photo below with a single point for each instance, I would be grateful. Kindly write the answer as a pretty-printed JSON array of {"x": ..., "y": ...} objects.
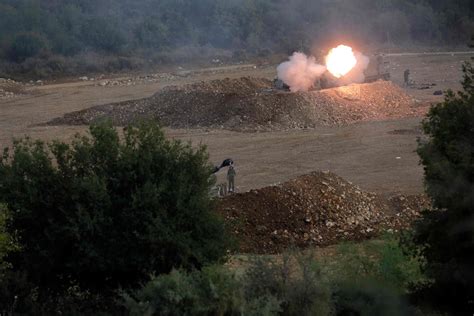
[{"x": 378, "y": 69}]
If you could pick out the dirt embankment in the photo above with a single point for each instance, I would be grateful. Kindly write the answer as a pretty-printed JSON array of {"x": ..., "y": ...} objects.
[
  {"x": 251, "y": 104},
  {"x": 314, "y": 209}
]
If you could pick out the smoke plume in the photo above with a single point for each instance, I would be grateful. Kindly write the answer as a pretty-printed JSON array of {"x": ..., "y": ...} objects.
[
  {"x": 300, "y": 72},
  {"x": 357, "y": 75}
]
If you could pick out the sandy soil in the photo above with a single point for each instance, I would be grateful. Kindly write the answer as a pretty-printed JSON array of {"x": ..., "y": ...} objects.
[{"x": 378, "y": 156}]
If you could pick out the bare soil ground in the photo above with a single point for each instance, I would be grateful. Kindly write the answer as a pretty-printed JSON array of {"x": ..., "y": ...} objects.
[{"x": 378, "y": 156}]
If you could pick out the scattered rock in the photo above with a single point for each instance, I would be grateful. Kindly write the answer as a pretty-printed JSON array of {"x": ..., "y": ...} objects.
[
  {"x": 10, "y": 88},
  {"x": 422, "y": 86},
  {"x": 139, "y": 80},
  {"x": 314, "y": 209},
  {"x": 413, "y": 131}
]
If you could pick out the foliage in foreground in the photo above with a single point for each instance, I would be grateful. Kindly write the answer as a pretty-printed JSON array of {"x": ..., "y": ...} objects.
[
  {"x": 7, "y": 241},
  {"x": 382, "y": 261},
  {"x": 105, "y": 212},
  {"x": 295, "y": 284},
  {"x": 446, "y": 237}
]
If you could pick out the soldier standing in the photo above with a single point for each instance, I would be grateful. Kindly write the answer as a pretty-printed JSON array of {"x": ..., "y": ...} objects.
[
  {"x": 380, "y": 64},
  {"x": 231, "y": 178},
  {"x": 406, "y": 77}
]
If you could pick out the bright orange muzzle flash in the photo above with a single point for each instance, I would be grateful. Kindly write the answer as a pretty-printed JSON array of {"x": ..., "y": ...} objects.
[{"x": 340, "y": 60}]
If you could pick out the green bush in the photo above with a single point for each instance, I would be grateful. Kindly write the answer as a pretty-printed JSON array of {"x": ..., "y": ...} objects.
[
  {"x": 17, "y": 293},
  {"x": 384, "y": 261},
  {"x": 152, "y": 33},
  {"x": 368, "y": 297},
  {"x": 103, "y": 35},
  {"x": 7, "y": 241},
  {"x": 25, "y": 45},
  {"x": 446, "y": 237},
  {"x": 106, "y": 212},
  {"x": 266, "y": 288},
  {"x": 212, "y": 291},
  {"x": 373, "y": 278},
  {"x": 296, "y": 284},
  {"x": 8, "y": 245}
]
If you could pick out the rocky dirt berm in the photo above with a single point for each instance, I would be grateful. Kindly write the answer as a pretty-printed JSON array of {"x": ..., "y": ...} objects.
[
  {"x": 251, "y": 104},
  {"x": 316, "y": 209}
]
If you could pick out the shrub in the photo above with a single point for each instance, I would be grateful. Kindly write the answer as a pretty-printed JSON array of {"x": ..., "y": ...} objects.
[
  {"x": 368, "y": 297},
  {"x": 103, "y": 213},
  {"x": 384, "y": 261},
  {"x": 293, "y": 287},
  {"x": 25, "y": 45},
  {"x": 17, "y": 294},
  {"x": 372, "y": 278},
  {"x": 7, "y": 242},
  {"x": 21, "y": 297},
  {"x": 103, "y": 35},
  {"x": 446, "y": 237},
  {"x": 152, "y": 33},
  {"x": 266, "y": 288},
  {"x": 212, "y": 291},
  {"x": 8, "y": 245}
]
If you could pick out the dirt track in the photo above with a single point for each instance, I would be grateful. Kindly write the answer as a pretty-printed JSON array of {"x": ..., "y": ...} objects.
[{"x": 378, "y": 156}]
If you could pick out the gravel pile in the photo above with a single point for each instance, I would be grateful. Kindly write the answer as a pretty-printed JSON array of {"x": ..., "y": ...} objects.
[
  {"x": 10, "y": 88},
  {"x": 314, "y": 209},
  {"x": 251, "y": 104}
]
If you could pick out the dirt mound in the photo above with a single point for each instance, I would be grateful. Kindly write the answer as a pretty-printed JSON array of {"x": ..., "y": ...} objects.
[
  {"x": 315, "y": 209},
  {"x": 249, "y": 104}
]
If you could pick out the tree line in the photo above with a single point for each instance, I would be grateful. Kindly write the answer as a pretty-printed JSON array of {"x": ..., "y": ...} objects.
[{"x": 32, "y": 28}]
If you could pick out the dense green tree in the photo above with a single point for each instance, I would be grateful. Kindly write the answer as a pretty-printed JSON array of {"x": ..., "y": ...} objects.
[
  {"x": 26, "y": 45},
  {"x": 158, "y": 29},
  {"x": 103, "y": 34},
  {"x": 229, "y": 24},
  {"x": 103, "y": 213},
  {"x": 447, "y": 236},
  {"x": 7, "y": 242},
  {"x": 151, "y": 33}
]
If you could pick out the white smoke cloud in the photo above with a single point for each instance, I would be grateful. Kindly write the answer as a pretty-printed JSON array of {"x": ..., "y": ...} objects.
[
  {"x": 357, "y": 75},
  {"x": 300, "y": 72}
]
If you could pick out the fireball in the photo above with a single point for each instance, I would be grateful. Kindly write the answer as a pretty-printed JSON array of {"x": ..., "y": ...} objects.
[{"x": 340, "y": 60}]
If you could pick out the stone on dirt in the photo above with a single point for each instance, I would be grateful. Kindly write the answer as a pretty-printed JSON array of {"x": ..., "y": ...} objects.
[{"x": 316, "y": 209}]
